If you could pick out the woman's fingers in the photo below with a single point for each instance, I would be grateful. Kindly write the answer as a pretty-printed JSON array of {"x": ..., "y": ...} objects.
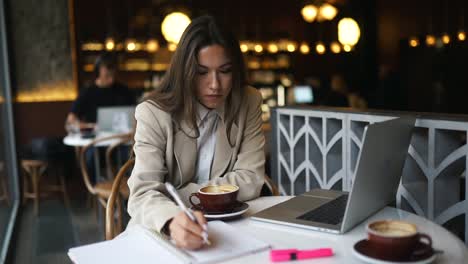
[
  {"x": 186, "y": 239},
  {"x": 190, "y": 225},
  {"x": 185, "y": 232}
]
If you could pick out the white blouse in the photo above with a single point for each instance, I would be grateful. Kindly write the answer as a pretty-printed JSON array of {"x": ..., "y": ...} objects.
[{"x": 206, "y": 142}]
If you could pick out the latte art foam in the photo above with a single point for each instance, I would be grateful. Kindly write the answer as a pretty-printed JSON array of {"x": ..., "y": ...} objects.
[
  {"x": 219, "y": 189},
  {"x": 394, "y": 232},
  {"x": 394, "y": 229}
]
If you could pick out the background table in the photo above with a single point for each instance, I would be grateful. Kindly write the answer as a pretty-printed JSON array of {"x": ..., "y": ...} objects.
[
  {"x": 75, "y": 140},
  {"x": 280, "y": 236}
]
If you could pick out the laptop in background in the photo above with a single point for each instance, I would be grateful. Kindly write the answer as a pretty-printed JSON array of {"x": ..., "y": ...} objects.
[
  {"x": 377, "y": 176},
  {"x": 116, "y": 119},
  {"x": 303, "y": 94}
]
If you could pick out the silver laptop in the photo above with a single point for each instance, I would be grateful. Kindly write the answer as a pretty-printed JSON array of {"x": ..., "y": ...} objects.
[
  {"x": 378, "y": 173},
  {"x": 116, "y": 119}
]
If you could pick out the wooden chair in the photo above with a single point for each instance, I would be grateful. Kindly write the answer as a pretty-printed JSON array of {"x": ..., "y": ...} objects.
[
  {"x": 102, "y": 190},
  {"x": 115, "y": 200},
  {"x": 110, "y": 161},
  {"x": 271, "y": 186},
  {"x": 33, "y": 171},
  {"x": 4, "y": 195}
]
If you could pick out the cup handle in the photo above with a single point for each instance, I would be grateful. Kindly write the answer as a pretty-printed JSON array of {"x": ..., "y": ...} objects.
[
  {"x": 422, "y": 236},
  {"x": 426, "y": 250},
  {"x": 196, "y": 206}
]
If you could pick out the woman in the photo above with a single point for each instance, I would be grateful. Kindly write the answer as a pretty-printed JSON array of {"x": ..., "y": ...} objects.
[{"x": 201, "y": 126}]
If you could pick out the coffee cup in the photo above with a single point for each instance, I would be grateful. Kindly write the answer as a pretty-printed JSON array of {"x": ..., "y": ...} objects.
[
  {"x": 216, "y": 198},
  {"x": 87, "y": 130},
  {"x": 397, "y": 240}
]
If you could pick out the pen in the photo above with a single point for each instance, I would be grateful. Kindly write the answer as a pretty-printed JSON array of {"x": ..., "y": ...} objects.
[
  {"x": 294, "y": 254},
  {"x": 172, "y": 191}
]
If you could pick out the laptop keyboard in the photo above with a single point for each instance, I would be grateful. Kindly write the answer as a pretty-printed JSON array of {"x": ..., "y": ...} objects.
[{"x": 329, "y": 213}]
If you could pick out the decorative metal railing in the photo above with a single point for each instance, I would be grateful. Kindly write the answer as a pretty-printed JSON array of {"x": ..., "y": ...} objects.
[{"x": 318, "y": 148}]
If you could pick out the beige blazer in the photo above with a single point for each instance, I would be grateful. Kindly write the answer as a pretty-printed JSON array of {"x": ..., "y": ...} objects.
[{"x": 165, "y": 153}]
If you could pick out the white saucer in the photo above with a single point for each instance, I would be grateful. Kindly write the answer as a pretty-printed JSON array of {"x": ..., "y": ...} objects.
[
  {"x": 239, "y": 210},
  {"x": 371, "y": 260}
]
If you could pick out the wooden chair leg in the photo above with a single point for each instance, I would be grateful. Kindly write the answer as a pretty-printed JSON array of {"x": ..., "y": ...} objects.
[
  {"x": 63, "y": 188},
  {"x": 25, "y": 186},
  {"x": 35, "y": 180},
  {"x": 95, "y": 207},
  {"x": 119, "y": 216}
]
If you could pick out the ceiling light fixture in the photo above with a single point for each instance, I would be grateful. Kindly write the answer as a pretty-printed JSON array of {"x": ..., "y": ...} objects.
[
  {"x": 320, "y": 12},
  {"x": 173, "y": 26},
  {"x": 348, "y": 31}
]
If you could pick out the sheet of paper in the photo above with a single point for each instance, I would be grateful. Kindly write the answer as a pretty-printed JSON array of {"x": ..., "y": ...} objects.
[
  {"x": 134, "y": 247},
  {"x": 226, "y": 243},
  {"x": 138, "y": 245}
]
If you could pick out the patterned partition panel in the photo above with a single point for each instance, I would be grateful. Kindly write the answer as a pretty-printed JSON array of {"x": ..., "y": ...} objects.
[
  {"x": 309, "y": 151},
  {"x": 319, "y": 149}
]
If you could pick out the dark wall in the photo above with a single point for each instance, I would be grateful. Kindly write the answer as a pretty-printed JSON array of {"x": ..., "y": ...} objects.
[
  {"x": 39, "y": 120},
  {"x": 40, "y": 59},
  {"x": 40, "y": 44},
  {"x": 400, "y": 19},
  {"x": 430, "y": 79}
]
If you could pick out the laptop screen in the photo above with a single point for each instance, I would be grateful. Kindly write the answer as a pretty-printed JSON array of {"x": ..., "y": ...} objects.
[
  {"x": 303, "y": 94},
  {"x": 117, "y": 119}
]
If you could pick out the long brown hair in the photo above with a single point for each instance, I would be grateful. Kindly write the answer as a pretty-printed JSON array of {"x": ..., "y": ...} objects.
[{"x": 176, "y": 92}]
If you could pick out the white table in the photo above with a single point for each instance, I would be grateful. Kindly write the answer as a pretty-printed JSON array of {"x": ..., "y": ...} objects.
[
  {"x": 280, "y": 236},
  {"x": 75, "y": 140}
]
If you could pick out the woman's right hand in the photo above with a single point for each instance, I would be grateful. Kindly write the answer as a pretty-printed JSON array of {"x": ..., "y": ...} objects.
[{"x": 186, "y": 233}]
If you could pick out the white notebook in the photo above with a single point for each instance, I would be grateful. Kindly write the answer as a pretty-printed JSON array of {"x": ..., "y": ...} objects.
[{"x": 138, "y": 245}]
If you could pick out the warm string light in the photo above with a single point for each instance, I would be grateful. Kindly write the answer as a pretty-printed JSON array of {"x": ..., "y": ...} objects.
[
  {"x": 244, "y": 48},
  {"x": 461, "y": 35},
  {"x": 320, "y": 48},
  {"x": 272, "y": 48},
  {"x": 131, "y": 45},
  {"x": 335, "y": 47},
  {"x": 172, "y": 47},
  {"x": 110, "y": 44},
  {"x": 258, "y": 48},
  {"x": 291, "y": 47},
  {"x": 304, "y": 48},
  {"x": 430, "y": 40},
  {"x": 92, "y": 46},
  {"x": 152, "y": 46},
  {"x": 445, "y": 39},
  {"x": 413, "y": 42}
]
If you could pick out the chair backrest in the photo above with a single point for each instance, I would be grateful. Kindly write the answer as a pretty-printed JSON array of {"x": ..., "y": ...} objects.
[
  {"x": 111, "y": 162},
  {"x": 114, "y": 198},
  {"x": 269, "y": 188},
  {"x": 114, "y": 139}
]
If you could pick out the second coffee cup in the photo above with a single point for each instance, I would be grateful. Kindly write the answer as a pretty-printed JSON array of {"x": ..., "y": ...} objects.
[
  {"x": 396, "y": 239},
  {"x": 216, "y": 198}
]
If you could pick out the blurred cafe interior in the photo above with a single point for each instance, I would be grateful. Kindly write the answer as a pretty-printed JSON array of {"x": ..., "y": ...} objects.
[{"x": 325, "y": 70}]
